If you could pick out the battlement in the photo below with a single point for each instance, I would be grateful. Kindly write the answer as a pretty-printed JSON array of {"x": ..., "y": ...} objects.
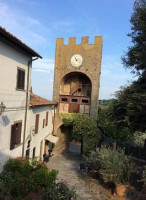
[{"x": 84, "y": 41}]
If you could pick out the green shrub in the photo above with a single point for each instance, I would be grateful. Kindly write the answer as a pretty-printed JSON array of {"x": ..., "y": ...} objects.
[
  {"x": 21, "y": 177},
  {"x": 44, "y": 177},
  {"x": 114, "y": 165},
  {"x": 16, "y": 178},
  {"x": 61, "y": 191}
]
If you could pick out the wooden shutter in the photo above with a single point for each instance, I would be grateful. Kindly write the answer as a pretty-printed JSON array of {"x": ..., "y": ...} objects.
[
  {"x": 20, "y": 79},
  {"x": 43, "y": 123},
  {"x": 13, "y": 136},
  {"x": 37, "y": 123},
  {"x": 46, "y": 118},
  {"x": 18, "y": 140}
]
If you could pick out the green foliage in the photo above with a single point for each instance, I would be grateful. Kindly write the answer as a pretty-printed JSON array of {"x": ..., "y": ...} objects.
[
  {"x": 144, "y": 176},
  {"x": 83, "y": 128},
  {"x": 43, "y": 177},
  {"x": 19, "y": 178},
  {"x": 135, "y": 57},
  {"x": 114, "y": 165},
  {"x": 61, "y": 191},
  {"x": 104, "y": 103},
  {"x": 139, "y": 138},
  {"x": 110, "y": 126},
  {"x": 68, "y": 118},
  {"x": 15, "y": 178},
  {"x": 129, "y": 110}
]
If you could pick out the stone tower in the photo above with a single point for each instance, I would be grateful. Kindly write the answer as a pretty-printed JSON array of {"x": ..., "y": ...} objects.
[{"x": 77, "y": 76}]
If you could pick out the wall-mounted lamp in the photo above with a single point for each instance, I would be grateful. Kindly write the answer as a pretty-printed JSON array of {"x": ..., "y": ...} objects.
[
  {"x": 32, "y": 130},
  {"x": 2, "y": 108}
]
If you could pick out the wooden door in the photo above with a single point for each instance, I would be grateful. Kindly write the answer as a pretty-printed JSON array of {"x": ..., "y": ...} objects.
[{"x": 73, "y": 108}]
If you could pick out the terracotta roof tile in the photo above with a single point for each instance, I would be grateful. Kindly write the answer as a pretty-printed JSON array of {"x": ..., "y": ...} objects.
[
  {"x": 10, "y": 37},
  {"x": 36, "y": 100}
]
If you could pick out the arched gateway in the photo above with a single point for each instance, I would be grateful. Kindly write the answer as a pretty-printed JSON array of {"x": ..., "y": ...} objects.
[
  {"x": 75, "y": 93},
  {"x": 77, "y": 78}
]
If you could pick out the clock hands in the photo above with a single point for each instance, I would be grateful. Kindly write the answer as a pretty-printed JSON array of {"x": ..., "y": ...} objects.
[{"x": 76, "y": 60}]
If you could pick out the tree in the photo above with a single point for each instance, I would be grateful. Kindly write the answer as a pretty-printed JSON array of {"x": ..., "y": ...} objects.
[
  {"x": 135, "y": 57},
  {"x": 83, "y": 128},
  {"x": 129, "y": 110},
  {"x": 110, "y": 121}
]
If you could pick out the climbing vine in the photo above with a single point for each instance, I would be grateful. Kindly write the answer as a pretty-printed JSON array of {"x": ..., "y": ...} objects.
[{"x": 83, "y": 128}]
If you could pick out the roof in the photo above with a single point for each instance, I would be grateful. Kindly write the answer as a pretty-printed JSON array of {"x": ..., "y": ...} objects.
[
  {"x": 36, "y": 100},
  {"x": 8, "y": 37}
]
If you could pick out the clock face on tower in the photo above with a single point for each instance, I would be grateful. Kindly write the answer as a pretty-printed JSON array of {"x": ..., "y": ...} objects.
[{"x": 76, "y": 60}]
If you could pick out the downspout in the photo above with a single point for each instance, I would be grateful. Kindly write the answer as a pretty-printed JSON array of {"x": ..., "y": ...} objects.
[
  {"x": 54, "y": 119},
  {"x": 26, "y": 105}
]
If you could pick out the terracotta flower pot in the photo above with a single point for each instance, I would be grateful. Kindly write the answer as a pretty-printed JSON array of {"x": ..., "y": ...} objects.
[
  {"x": 95, "y": 172},
  {"x": 111, "y": 193},
  {"x": 121, "y": 190},
  {"x": 142, "y": 195}
]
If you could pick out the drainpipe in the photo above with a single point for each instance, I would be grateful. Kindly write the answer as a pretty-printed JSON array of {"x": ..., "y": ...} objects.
[
  {"x": 27, "y": 91},
  {"x": 54, "y": 119}
]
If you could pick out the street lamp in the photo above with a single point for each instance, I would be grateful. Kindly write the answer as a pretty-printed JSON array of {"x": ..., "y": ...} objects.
[{"x": 2, "y": 108}]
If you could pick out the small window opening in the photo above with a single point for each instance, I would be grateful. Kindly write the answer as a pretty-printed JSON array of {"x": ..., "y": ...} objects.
[
  {"x": 64, "y": 99},
  {"x": 20, "y": 79},
  {"x": 74, "y": 100},
  {"x": 85, "y": 101}
]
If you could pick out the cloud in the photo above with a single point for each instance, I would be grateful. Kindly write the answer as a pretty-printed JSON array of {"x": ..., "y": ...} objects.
[
  {"x": 22, "y": 25},
  {"x": 50, "y": 80},
  {"x": 107, "y": 92},
  {"x": 113, "y": 76},
  {"x": 45, "y": 65},
  {"x": 61, "y": 24},
  {"x": 113, "y": 70},
  {"x": 42, "y": 70}
]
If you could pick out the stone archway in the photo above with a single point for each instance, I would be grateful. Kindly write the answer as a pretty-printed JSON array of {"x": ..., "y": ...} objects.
[
  {"x": 62, "y": 145},
  {"x": 75, "y": 93},
  {"x": 76, "y": 84}
]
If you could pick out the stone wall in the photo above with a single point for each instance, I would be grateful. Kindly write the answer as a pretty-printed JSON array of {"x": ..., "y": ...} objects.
[{"x": 91, "y": 66}]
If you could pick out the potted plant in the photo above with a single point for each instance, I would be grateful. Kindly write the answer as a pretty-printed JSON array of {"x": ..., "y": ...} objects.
[{"x": 115, "y": 167}]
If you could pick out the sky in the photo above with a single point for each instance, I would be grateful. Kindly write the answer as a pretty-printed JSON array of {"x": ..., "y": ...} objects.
[{"x": 39, "y": 22}]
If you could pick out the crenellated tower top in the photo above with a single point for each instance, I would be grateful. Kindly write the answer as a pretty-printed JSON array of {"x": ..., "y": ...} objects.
[
  {"x": 84, "y": 41},
  {"x": 77, "y": 75}
]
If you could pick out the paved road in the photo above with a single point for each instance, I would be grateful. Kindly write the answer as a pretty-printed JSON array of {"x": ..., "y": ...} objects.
[{"x": 68, "y": 166}]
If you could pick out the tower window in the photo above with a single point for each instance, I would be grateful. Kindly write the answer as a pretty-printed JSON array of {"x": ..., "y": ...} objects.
[
  {"x": 64, "y": 99},
  {"x": 74, "y": 100},
  {"x": 85, "y": 101}
]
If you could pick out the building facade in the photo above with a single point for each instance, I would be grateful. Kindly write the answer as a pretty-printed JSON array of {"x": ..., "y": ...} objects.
[
  {"x": 77, "y": 76},
  {"x": 40, "y": 125},
  {"x": 15, "y": 82}
]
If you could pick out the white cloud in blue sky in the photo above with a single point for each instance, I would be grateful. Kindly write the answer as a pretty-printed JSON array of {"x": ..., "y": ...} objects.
[{"x": 39, "y": 23}]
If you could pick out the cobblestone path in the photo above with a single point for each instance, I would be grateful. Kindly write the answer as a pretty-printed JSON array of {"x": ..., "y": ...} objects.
[{"x": 68, "y": 166}]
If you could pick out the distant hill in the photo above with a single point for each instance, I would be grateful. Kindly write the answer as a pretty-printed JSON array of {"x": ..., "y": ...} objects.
[{"x": 105, "y": 102}]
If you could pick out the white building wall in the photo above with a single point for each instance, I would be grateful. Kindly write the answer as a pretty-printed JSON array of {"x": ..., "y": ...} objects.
[
  {"x": 13, "y": 99},
  {"x": 36, "y": 138}
]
